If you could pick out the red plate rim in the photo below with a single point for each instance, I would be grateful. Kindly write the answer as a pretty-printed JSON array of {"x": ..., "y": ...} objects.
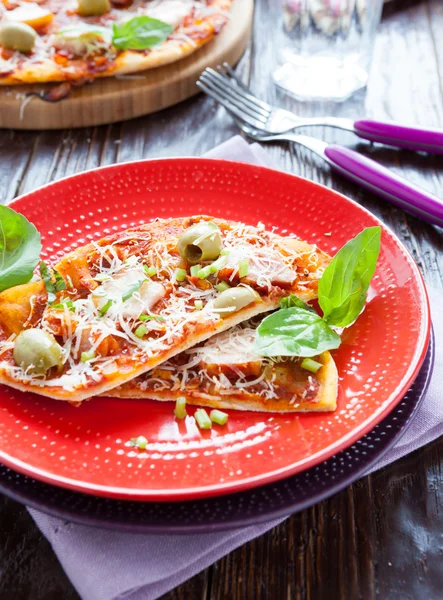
[{"x": 277, "y": 474}]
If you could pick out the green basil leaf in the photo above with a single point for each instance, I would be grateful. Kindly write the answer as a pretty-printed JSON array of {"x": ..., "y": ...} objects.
[
  {"x": 59, "y": 283},
  {"x": 344, "y": 285},
  {"x": 291, "y": 301},
  {"x": 140, "y": 33},
  {"x": 20, "y": 248},
  {"x": 294, "y": 332}
]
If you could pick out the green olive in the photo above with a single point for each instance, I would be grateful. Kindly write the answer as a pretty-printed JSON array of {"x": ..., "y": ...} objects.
[
  {"x": 234, "y": 299},
  {"x": 200, "y": 242},
  {"x": 37, "y": 351},
  {"x": 93, "y": 8},
  {"x": 17, "y": 36}
]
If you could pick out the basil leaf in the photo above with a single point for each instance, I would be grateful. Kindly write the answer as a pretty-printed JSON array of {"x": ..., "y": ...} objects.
[
  {"x": 291, "y": 301},
  {"x": 294, "y": 332},
  {"x": 344, "y": 285},
  {"x": 59, "y": 283},
  {"x": 20, "y": 248},
  {"x": 140, "y": 33}
]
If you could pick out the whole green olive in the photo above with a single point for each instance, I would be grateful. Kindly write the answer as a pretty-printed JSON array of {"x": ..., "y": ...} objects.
[
  {"x": 234, "y": 299},
  {"x": 200, "y": 242},
  {"x": 37, "y": 351},
  {"x": 17, "y": 36},
  {"x": 93, "y": 8}
]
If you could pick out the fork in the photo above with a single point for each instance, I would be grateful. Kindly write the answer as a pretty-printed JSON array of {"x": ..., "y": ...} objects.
[
  {"x": 356, "y": 167},
  {"x": 262, "y": 116}
]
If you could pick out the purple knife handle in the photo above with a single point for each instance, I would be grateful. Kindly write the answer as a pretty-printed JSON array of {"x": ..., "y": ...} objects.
[
  {"x": 385, "y": 183},
  {"x": 392, "y": 134}
]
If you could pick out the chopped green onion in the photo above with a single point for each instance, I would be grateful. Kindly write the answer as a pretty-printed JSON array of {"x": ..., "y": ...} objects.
[
  {"x": 198, "y": 304},
  {"x": 311, "y": 365},
  {"x": 180, "y": 274},
  {"x": 68, "y": 303},
  {"x": 243, "y": 268},
  {"x": 219, "y": 417},
  {"x": 141, "y": 331},
  {"x": 151, "y": 271},
  {"x": 195, "y": 269},
  {"x": 205, "y": 272},
  {"x": 158, "y": 318},
  {"x": 224, "y": 252},
  {"x": 132, "y": 289},
  {"x": 140, "y": 441},
  {"x": 89, "y": 355},
  {"x": 101, "y": 277},
  {"x": 105, "y": 308},
  {"x": 219, "y": 264},
  {"x": 180, "y": 408},
  {"x": 202, "y": 418},
  {"x": 222, "y": 286}
]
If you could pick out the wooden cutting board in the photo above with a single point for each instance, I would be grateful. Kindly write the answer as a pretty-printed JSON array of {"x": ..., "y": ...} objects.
[{"x": 109, "y": 100}]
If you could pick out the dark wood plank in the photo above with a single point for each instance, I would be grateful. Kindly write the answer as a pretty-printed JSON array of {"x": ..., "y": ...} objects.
[{"x": 382, "y": 537}]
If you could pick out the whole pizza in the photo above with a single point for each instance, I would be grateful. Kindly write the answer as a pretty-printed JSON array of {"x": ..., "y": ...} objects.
[{"x": 79, "y": 40}]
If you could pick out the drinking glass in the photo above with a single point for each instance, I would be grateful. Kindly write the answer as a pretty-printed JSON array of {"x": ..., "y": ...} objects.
[{"x": 327, "y": 47}]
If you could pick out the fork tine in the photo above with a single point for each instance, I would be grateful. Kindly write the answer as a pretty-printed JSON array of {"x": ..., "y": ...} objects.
[
  {"x": 232, "y": 92},
  {"x": 226, "y": 81},
  {"x": 231, "y": 108},
  {"x": 229, "y": 72}
]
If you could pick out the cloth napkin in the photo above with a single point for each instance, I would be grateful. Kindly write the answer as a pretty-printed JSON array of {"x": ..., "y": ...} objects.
[{"x": 106, "y": 565}]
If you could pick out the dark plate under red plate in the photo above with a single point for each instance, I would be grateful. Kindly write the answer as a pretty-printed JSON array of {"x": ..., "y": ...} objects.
[{"x": 86, "y": 449}]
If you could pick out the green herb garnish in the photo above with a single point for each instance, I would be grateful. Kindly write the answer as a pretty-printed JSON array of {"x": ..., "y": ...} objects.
[
  {"x": 198, "y": 304},
  {"x": 243, "y": 268},
  {"x": 67, "y": 302},
  {"x": 104, "y": 309},
  {"x": 222, "y": 286},
  {"x": 297, "y": 330},
  {"x": 180, "y": 274},
  {"x": 144, "y": 318},
  {"x": 310, "y": 365},
  {"x": 202, "y": 418},
  {"x": 132, "y": 289},
  {"x": 218, "y": 417},
  {"x": 150, "y": 271},
  {"x": 180, "y": 408},
  {"x": 141, "y": 331},
  {"x": 344, "y": 285},
  {"x": 194, "y": 270},
  {"x": 140, "y": 33},
  {"x": 54, "y": 282},
  {"x": 20, "y": 248},
  {"x": 87, "y": 356}
]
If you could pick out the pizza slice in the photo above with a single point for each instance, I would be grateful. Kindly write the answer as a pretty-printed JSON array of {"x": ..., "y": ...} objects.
[
  {"x": 225, "y": 372},
  {"x": 115, "y": 309}
]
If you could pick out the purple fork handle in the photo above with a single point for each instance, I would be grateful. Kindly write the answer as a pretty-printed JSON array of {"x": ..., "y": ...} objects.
[
  {"x": 392, "y": 134},
  {"x": 385, "y": 183}
]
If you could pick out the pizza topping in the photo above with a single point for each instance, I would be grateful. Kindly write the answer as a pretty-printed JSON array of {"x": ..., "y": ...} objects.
[
  {"x": 172, "y": 12},
  {"x": 218, "y": 417},
  {"x": 202, "y": 419},
  {"x": 310, "y": 365},
  {"x": 92, "y": 8},
  {"x": 180, "y": 408},
  {"x": 201, "y": 241},
  {"x": 83, "y": 39},
  {"x": 232, "y": 300},
  {"x": 31, "y": 14},
  {"x": 17, "y": 36},
  {"x": 36, "y": 351},
  {"x": 140, "y": 33}
]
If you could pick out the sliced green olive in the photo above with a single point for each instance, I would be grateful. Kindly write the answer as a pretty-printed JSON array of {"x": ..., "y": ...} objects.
[
  {"x": 37, "y": 351},
  {"x": 200, "y": 242},
  {"x": 234, "y": 299},
  {"x": 93, "y": 8},
  {"x": 17, "y": 36}
]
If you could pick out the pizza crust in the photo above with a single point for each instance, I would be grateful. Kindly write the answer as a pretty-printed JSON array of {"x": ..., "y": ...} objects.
[{"x": 325, "y": 401}]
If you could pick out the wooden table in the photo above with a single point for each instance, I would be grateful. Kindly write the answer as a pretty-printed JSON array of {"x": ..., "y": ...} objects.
[{"x": 383, "y": 536}]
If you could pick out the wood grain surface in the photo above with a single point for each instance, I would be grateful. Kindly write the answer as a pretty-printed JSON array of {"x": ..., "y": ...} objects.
[
  {"x": 381, "y": 538},
  {"x": 112, "y": 99}
]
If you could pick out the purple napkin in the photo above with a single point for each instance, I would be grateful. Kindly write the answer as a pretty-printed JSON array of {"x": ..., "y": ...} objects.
[{"x": 104, "y": 565}]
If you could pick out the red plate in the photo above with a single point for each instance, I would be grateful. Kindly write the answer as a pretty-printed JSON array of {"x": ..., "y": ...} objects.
[{"x": 86, "y": 448}]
